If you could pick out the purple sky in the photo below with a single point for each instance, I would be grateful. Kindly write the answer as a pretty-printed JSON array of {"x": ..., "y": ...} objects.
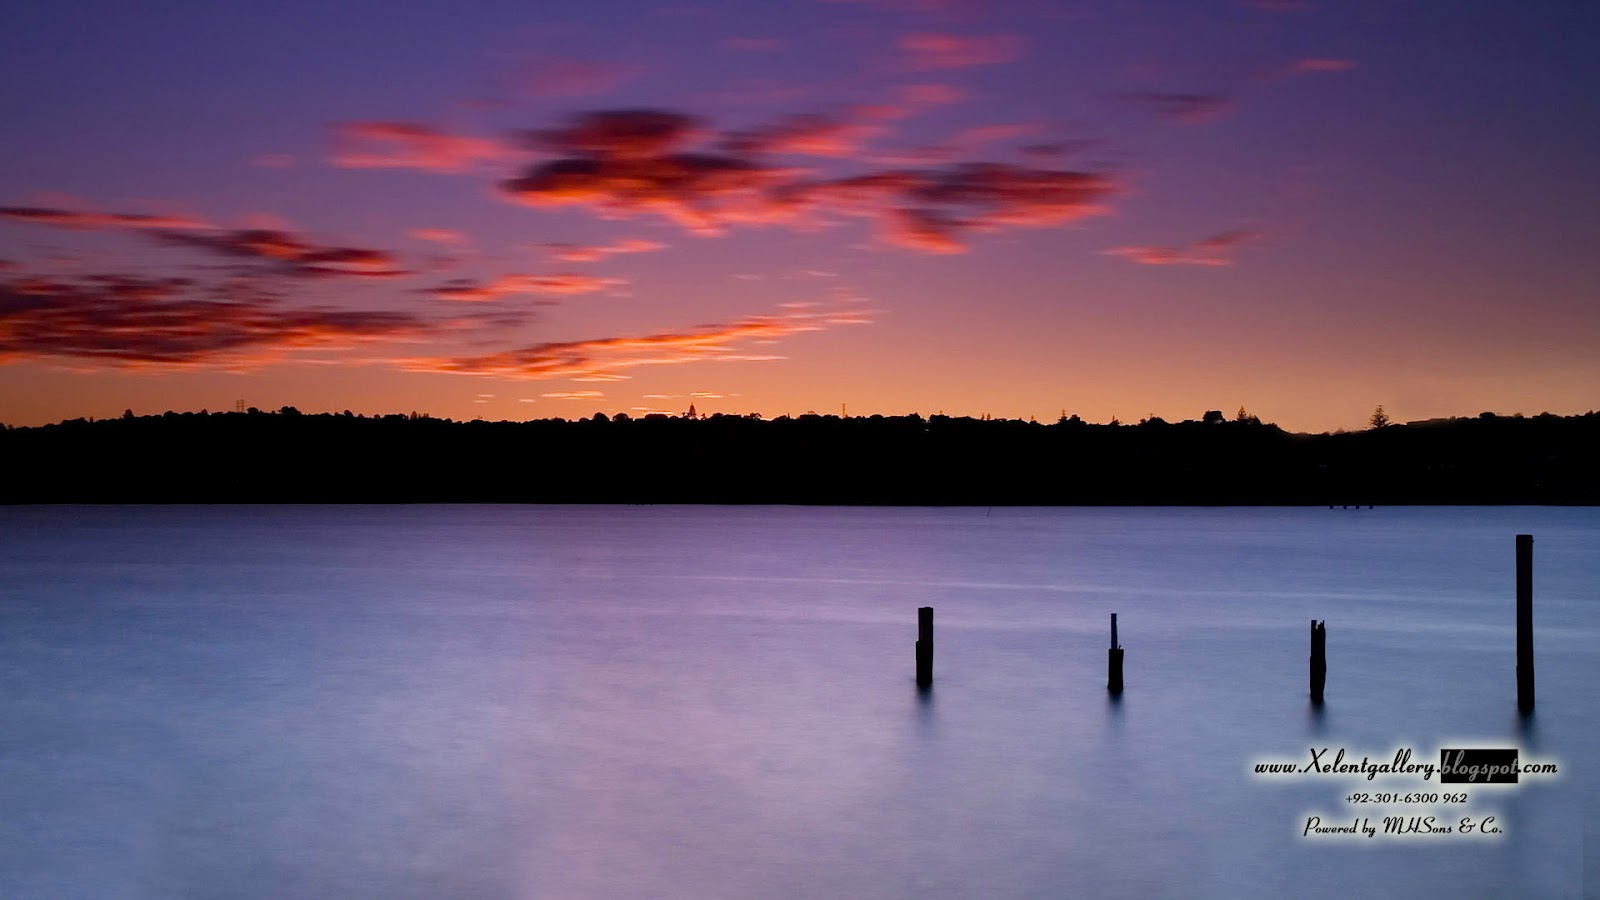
[{"x": 516, "y": 210}]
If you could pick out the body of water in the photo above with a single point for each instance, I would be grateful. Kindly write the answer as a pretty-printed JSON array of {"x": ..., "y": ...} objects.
[{"x": 565, "y": 702}]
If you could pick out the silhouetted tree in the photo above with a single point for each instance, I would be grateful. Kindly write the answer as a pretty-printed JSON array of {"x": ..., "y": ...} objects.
[
  {"x": 1212, "y": 417},
  {"x": 1379, "y": 417}
]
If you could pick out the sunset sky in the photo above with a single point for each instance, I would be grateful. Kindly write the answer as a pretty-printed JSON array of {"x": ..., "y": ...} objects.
[{"x": 522, "y": 210}]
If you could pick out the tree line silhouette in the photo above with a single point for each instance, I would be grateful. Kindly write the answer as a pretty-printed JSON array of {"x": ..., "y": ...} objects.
[{"x": 286, "y": 456}]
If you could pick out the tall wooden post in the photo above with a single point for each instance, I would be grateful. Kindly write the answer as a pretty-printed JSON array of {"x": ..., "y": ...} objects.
[
  {"x": 1525, "y": 622},
  {"x": 1114, "y": 661},
  {"x": 924, "y": 646},
  {"x": 1319, "y": 659}
]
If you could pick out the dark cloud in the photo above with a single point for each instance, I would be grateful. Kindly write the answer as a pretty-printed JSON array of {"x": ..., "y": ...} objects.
[
  {"x": 701, "y": 192},
  {"x": 624, "y": 133},
  {"x": 94, "y": 221},
  {"x": 126, "y": 321},
  {"x": 933, "y": 209},
  {"x": 290, "y": 254},
  {"x": 637, "y": 162}
]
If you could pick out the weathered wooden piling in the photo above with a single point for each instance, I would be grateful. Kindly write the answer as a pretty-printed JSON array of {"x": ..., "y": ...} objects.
[
  {"x": 1319, "y": 659},
  {"x": 1114, "y": 661},
  {"x": 924, "y": 646},
  {"x": 1525, "y": 622}
]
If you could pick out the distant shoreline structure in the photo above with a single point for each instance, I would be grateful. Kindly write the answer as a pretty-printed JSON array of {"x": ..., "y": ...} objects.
[{"x": 287, "y": 456}]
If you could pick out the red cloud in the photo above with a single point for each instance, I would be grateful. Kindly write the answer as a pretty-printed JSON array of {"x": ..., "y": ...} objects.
[
  {"x": 636, "y": 162},
  {"x": 603, "y": 358},
  {"x": 408, "y": 145},
  {"x": 625, "y": 133},
  {"x": 1216, "y": 250},
  {"x": 295, "y": 255},
  {"x": 700, "y": 192},
  {"x": 1317, "y": 64},
  {"x": 925, "y": 51},
  {"x": 440, "y": 236},
  {"x": 124, "y": 321},
  {"x": 95, "y": 221},
  {"x": 576, "y": 253},
  {"x": 933, "y": 209},
  {"x": 804, "y": 135},
  {"x": 506, "y": 285}
]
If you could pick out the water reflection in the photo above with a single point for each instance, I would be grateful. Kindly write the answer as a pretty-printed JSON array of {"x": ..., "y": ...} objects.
[{"x": 1317, "y": 719}]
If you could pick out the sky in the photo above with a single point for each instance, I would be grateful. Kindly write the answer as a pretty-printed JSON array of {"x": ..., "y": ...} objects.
[{"x": 1016, "y": 208}]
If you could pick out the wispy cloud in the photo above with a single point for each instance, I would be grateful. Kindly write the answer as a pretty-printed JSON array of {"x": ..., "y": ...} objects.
[
  {"x": 1217, "y": 250},
  {"x": 410, "y": 145},
  {"x": 87, "y": 220},
  {"x": 934, "y": 210},
  {"x": 289, "y": 253},
  {"x": 124, "y": 321},
  {"x": 607, "y": 358},
  {"x": 1181, "y": 108},
  {"x": 1321, "y": 64},
  {"x": 928, "y": 51},
  {"x": 469, "y": 290},
  {"x": 444, "y": 236},
  {"x": 582, "y": 253}
]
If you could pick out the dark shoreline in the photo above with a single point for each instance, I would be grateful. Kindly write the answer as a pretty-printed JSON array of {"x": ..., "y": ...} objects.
[{"x": 288, "y": 457}]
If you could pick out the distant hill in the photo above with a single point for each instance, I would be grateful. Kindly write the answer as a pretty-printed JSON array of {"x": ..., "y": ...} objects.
[{"x": 290, "y": 457}]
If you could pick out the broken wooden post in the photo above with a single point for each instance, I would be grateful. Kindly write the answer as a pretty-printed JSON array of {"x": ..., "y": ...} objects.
[
  {"x": 1114, "y": 661},
  {"x": 924, "y": 646},
  {"x": 1525, "y": 622},
  {"x": 1319, "y": 659}
]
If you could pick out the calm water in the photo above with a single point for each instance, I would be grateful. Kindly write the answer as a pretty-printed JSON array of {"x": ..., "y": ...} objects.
[{"x": 530, "y": 702}]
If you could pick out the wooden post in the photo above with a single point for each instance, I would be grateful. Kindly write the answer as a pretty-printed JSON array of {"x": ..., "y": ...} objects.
[
  {"x": 1319, "y": 659},
  {"x": 1525, "y": 622},
  {"x": 924, "y": 646},
  {"x": 1114, "y": 661}
]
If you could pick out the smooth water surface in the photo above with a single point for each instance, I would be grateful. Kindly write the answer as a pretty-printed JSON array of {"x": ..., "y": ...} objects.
[{"x": 533, "y": 702}]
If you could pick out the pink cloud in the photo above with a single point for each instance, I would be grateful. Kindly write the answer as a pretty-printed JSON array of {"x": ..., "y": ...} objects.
[
  {"x": 608, "y": 358},
  {"x": 440, "y": 236},
  {"x": 927, "y": 51},
  {"x": 1322, "y": 64},
  {"x": 408, "y": 145},
  {"x": 1216, "y": 251},
  {"x": 578, "y": 253},
  {"x": 468, "y": 290}
]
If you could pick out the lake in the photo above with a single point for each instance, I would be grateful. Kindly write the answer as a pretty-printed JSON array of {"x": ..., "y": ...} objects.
[{"x": 709, "y": 702}]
